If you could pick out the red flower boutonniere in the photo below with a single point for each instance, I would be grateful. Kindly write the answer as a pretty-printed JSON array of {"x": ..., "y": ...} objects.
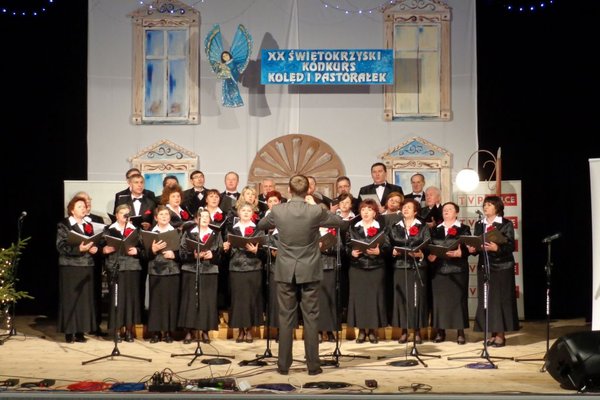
[
  {"x": 248, "y": 231},
  {"x": 127, "y": 232},
  {"x": 88, "y": 229},
  {"x": 332, "y": 231},
  {"x": 184, "y": 215},
  {"x": 205, "y": 238},
  {"x": 218, "y": 217},
  {"x": 147, "y": 212},
  {"x": 254, "y": 217},
  {"x": 413, "y": 230},
  {"x": 371, "y": 231},
  {"x": 452, "y": 231},
  {"x": 490, "y": 228}
]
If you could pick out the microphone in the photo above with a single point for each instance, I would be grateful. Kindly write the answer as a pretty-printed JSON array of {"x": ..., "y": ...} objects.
[
  {"x": 23, "y": 215},
  {"x": 127, "y": 216},
  {"x": 478, "y": 212},
  {"x": 338, "y": 212},
  {"x": 550, "y": 238}
]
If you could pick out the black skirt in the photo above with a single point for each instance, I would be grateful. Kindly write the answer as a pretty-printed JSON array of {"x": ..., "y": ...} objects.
[
  {"x": 502, "y": 302},
  {"x": 206, "y": 315},
  {"x": 76, "y": 307},
  {"x": 129, "y": 303},
  {"x": 450, "y": 309},
  {"x": 164, "y": 303},
  {"x": 246, "y": 299},
  {"x": 366, "y": 303},
  {"x": 327, "y": 302},
  {"x": 404, "y": 298}
]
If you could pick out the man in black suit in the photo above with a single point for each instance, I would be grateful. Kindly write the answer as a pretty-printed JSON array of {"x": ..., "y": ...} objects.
[
  {"x": 127, "y": 192},
  {"x": 417, "y": 182},
  {"x": 380, "y": 186},
  {"x": 141, "y": 205},
  {"x": 343, "y": 185},
  {"x": 267, "y": 185},
  {"x": 431, "y": 214},
  {"x": 230, "y": 195},
  {"x": 298, "y": 270},
  {"x": 195, "y": 197}
]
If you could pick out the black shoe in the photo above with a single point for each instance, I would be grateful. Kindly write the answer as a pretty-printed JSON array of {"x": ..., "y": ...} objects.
[
  {"x": 128, "y": 337},
  {"x": 315, "y": 371},
  {"x": 79, "y": 338},
  {"x": 155, "y": 339},
  {"x": 418, "y": 340},
  {"x": 403, "y": 338},
  {"x": 168, "y": 339},
  {"x": 461, "y": 340},
  {"x": 282, "y": 371},
  {"x": 373, "y": 338},
  {"x": 439, "y": 338},
  {"x": 499, "y": 344},
  {"x": 331, "y": 337},
  {"x": 69, "y": 338},
  {"x": 205, "y": 337},
  {"x": 361, "y": 337}
]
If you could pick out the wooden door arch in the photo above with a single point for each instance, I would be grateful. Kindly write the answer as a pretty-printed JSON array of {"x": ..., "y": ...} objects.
[{"x": 293, "y": 154}]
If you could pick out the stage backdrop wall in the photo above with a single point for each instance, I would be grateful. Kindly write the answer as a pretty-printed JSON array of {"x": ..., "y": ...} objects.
[{"x": 348, "y": 118}]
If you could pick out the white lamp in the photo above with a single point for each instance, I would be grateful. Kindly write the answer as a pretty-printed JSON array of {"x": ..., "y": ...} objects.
[{"x": 467, "y": 179}]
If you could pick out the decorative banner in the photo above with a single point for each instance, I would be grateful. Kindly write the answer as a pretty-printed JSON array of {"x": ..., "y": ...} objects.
[{"x": 327, "y": 67}]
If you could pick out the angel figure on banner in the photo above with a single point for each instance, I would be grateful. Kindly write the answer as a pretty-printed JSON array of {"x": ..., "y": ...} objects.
[{"x": 229, "y": 65}]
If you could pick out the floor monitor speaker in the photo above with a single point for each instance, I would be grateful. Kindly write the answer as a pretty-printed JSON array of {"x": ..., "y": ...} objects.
[{"x": 574, "y": 361}]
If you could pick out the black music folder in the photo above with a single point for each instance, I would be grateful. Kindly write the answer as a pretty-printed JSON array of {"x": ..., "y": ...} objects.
[
  {"x": 218, "y": 225},
  {"x": 124, "y": 244},
  {"x": 327, "y": 241},
  {"x": 440, "y": 250},
  {"x": 193, "y": 245},
  {"x": 240, "y": 241},
  {"x": 75, "y": 238},
  {"x": 370, "y": 244},
  {"x": 172, "y": 239},
  {"x": 413, "y": 248},
  {"x": 477, "y": 240}
]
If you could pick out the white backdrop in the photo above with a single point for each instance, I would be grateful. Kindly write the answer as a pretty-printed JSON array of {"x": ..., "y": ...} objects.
[{"x": 350, "y": 119}]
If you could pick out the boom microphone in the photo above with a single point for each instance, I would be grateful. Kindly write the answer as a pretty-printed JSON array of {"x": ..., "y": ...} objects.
[
  {"x": 23, "y": 215},
  {"x": 478, "y": 212},
  {"x": 550, "y": 238}
]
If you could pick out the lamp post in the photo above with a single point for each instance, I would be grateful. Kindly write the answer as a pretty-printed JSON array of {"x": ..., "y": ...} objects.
[{"x": 467, "y": 179}]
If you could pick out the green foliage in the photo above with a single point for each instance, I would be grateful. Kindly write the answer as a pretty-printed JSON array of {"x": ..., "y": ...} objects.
[{"x": 8, "y": 259}]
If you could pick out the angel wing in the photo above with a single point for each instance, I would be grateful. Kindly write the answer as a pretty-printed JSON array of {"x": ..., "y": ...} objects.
[
  {"x": 241, "y": 47},
  {"x": 213, "y": 45}
]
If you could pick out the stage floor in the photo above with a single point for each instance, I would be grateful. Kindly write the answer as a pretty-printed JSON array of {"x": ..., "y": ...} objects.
[{"x": 37, "y": 352}]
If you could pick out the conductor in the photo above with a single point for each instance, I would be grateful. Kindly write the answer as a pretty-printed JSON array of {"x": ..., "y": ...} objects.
[{"x": 298, "y": 268}]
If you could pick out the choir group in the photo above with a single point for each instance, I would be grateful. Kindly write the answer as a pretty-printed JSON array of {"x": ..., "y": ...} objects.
[{"x": 173, "y": 261}]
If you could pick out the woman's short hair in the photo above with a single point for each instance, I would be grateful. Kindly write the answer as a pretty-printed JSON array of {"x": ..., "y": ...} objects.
[
  {"x": 370, "y": 203},
  {"x": 416, "y": 205},
  {"x": 164, "y": 197},
  {"x": 497, "y": 202},
  {"x": 72, "y": 202},
  {"x": 273, "y": 193}
]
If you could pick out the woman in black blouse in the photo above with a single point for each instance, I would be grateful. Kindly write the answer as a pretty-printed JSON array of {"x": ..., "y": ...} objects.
[
  {"x": 502, "y": 299},
  {"x": 366, "y": 305},
  {"x": 450, "y": 282},
  {"x": 76, "y": 312},
  {"x": 409, "y": 232}
]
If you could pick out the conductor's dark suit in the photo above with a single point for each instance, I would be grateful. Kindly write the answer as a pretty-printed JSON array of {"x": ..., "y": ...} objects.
[{"x": 298, "y": 265}]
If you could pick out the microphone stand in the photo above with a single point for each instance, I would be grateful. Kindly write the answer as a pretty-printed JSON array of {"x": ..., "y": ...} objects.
[
  {"x": 15, "y": 263},
  {"x": 486, "y": 289},
  {"x": 198, "y": 351},
  {"x": 336, "y": 354},
  {"x": 259, "y": 361},
  {"x": 115, "y": 284},
  {"x": 548, "y": 269},
  {"x": 414, "y": 352}
]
